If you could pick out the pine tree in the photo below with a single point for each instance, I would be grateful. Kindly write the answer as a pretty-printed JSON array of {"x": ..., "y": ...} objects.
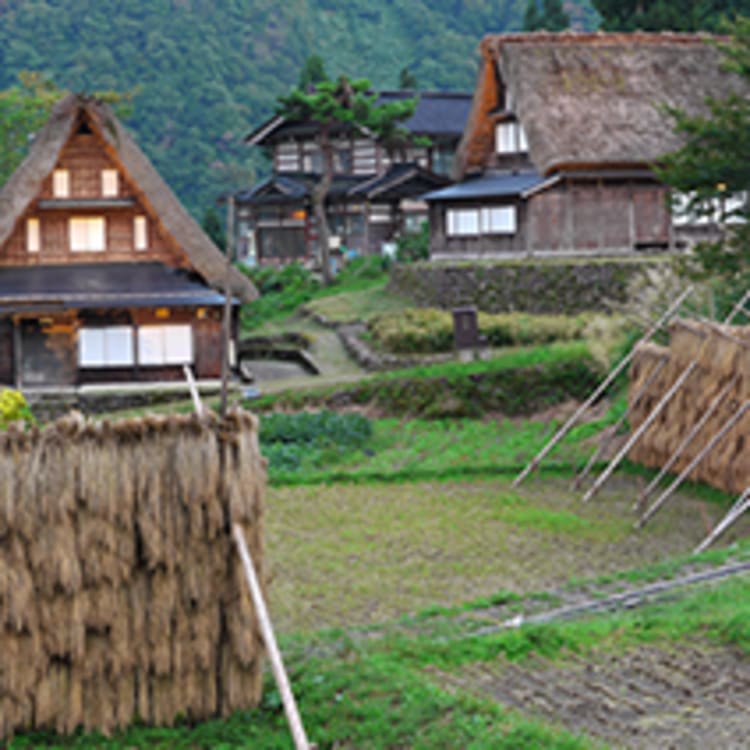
[
  {"x": 673, "y": 15},
  {"x": 552, "y": 16}
]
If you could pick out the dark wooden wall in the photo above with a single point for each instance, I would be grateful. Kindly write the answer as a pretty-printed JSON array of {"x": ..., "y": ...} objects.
[{"x": 7, "y": 376}]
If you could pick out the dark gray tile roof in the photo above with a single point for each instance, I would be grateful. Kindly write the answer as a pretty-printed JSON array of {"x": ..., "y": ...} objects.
[
  {"x": 105, "y": 285},
  {"x": 489, "y": 185}
]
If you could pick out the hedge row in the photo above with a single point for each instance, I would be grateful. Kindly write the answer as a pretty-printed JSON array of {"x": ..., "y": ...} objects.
[
  {"x": 457, "y": 392},
  {"x": 428, "y": 330}
]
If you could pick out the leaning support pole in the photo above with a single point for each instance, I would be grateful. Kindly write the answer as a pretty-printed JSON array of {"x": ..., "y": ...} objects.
[
  {"x": 277, "y": 665},
  {"x": 636, "y": 436},
  {"x": 731, "y": 422},
  {"x": 568, "y": 426},
  {"x": 585, "y": 471},
  {"x": 696, "y": 428},
  {"x": 194, "y": 394},
  {"x": 738, "y": 509}
]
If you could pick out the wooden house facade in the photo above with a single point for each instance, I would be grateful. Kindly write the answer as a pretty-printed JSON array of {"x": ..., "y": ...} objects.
[
  {"x": 559, "y": 150},
  {"x": 104, "y": 276},
  {"x": 375, "y": 195}
]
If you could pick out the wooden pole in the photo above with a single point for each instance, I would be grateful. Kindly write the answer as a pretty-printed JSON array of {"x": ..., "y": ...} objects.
[
  {"x": 568, "y": 426},
  {"x": 606, "y": 443},
  {"x": 227, "y": 319},
  {"x": 741, "y": 506},
  {"x": 636, "y": 436},
  {"x": 197, "y": 403},
  {"x": 277, "y": 665},
  {"x": 686, "y": 471},
  {"x": 659, "y": 407},
  {"x": 697, "y": 427}
]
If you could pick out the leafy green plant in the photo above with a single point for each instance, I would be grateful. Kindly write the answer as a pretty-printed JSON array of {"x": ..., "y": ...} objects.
[
  {"x": 13, "y": 408},
  {"x": 414, "y": 246}
]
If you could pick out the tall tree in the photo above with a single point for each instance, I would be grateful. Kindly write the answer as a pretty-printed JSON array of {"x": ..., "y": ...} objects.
[
  {"x": 672, "y": 15},
  {"x": 713, "y": 167},
  {"x": 333, "y": 106},
  {"x": 551, "y": 16},
  {"x": 24, "y": 108},
  {"x": 407, "y": 81}
]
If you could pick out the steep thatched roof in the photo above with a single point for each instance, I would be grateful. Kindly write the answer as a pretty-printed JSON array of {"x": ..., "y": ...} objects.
[
  {"x": 592, "y": 99},
  {"x": 177, "y": 224}
]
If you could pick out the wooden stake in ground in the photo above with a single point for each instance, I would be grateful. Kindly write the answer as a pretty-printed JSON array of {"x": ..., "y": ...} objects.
[
  {"x": 568, "y": 426},
  {"x": 277, "y": 665},
  {"x": 197, "y": 403},
  {"x": 697, "y": 427},
  {"x": 620, "y": 422},
  {"x": 741, "y": 506},
  {"x": 731, "y": 422},
  {"x": 635, "y": 437}
]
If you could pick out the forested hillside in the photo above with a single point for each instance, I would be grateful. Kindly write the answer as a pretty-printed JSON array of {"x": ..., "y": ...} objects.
[{"x": 207, "y": 72}]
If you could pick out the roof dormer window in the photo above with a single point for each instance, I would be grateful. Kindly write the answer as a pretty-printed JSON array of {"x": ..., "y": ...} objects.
[
  {"x": 510, "y": 138},
  {"x": 110, "y": 183},
  {"x": 61, "y": 183}
]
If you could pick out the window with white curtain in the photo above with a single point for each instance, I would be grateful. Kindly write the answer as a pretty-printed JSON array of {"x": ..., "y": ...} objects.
[
  {"x": 61, "y": 183},
  {"x": 33, "y": 235},
  {"x": 87, "y": 234},
  {"x": 110, "y": 346},
  {"x": 466, "y": 222},
  {"x": 110, "y": 183},
  {"x": 510, "y": 138},
  {"x": 140, "y": 233},
  {"x": 165, "y": 345}
]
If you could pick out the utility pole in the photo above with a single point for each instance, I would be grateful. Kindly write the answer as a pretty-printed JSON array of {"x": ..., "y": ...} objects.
[{"x": 227, "y": 320}]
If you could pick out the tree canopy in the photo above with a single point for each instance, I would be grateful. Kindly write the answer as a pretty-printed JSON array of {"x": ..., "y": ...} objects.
[
  {"x": 672, "y": 15},
  {"x": 713, "y": 167},
  {"x": 550, "y": 17}
]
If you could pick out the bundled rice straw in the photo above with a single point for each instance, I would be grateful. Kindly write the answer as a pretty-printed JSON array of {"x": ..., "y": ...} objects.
[
  {"x": 723, "y": 354},
  {"x": 120, "y": 591}
]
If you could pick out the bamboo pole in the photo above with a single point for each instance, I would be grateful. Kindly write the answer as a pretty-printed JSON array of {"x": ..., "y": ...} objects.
[
  {"x": 195, "y": 395},
  {"x": 277, "y": 665},
  {"x": 697, "y": 427},
  {"x": 686, "y": 471},
  {"x": 608, "y": 441},
  {"x": 227, "y": 318},
  {"x": 737, "y": 510},
  {"x": 566, "y": 428},
  {"x": 660, "y": 406},
  {"x": 636, "y": 436}
]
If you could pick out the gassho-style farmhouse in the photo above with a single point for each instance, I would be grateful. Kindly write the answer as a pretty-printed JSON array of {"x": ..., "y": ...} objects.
[{"x": 104, "y": 276}]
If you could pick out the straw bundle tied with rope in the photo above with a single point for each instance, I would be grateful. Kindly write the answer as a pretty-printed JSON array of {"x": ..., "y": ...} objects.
[
  {"x": 717, "y": 388},
  {"x": 121, "y": 595}
]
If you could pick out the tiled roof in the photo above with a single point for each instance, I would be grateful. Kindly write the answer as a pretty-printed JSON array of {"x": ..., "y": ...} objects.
[{"x": 489, "y": 185}]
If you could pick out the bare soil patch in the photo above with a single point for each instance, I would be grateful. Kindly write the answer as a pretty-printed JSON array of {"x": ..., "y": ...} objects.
[{"x": 649, "y": 697}]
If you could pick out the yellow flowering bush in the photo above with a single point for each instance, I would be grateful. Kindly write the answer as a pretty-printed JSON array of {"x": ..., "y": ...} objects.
[{"x": 13, "y": 408}]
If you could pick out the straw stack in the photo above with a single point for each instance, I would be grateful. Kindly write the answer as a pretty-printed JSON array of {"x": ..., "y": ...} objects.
[
  {"x": 121, "y": 595},
  {"x": 723, "y": 356}
]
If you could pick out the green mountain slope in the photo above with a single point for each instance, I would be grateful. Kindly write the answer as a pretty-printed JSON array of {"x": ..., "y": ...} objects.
[{"x": 206, "y": 73}]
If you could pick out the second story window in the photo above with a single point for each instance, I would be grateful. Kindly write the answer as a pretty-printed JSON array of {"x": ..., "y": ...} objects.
[
  {"x": 61, "y": 183},
  {"x": 140, "y": 233},
  {"x": 33, "y": 236},
  {"x": 510, "y": 138},
  {"x": 287, "y": 157},
  {"x": 110, "y": 183},
  {"x": 88, "y": 234}
]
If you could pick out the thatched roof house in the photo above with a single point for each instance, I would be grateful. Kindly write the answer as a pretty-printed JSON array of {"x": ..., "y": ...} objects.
[
  {"x": 104, "y": 276},
  {"x": 582, "y": 118},
  {"x": 591, "y": 99}
]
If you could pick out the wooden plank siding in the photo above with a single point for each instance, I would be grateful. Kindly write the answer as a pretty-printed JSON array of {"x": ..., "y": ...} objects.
[
  {"x": 85, "y": 158},
  {"x": 7, "y": 361},
  {"x": 575, "y": 216}
]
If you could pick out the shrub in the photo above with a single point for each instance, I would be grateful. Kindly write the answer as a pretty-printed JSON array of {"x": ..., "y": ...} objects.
[
  {"x": 414, "y": 246},
  {"x": 427, "y": 330},
  {"x": 13, "y": 408}
]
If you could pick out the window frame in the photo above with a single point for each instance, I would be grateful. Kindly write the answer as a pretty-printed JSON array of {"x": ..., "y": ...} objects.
[
  {"x": 92, "y": 243},
  {"x": 107, "y": 345},
  {"x": 61, "y": 183},
  {"x": 33, "y": 235},
  {"x": 158, "y": 335},
  {"x": 110, "y": 183}
]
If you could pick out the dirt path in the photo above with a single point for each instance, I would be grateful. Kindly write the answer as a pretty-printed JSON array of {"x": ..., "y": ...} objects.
[{"x": 697, "y": 697}]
